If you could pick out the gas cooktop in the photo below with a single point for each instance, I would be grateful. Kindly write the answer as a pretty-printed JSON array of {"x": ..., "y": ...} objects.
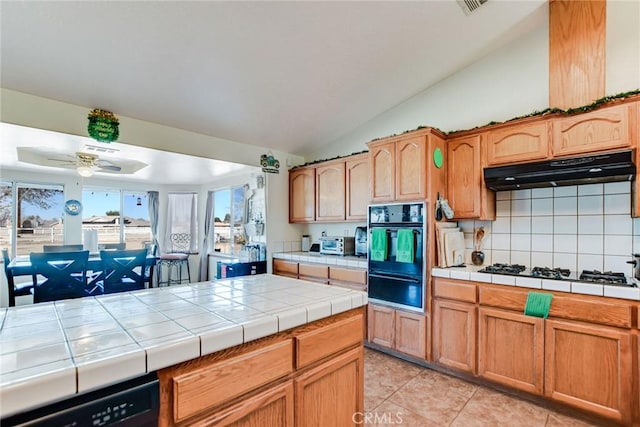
[{"x": 592, "y": 276}]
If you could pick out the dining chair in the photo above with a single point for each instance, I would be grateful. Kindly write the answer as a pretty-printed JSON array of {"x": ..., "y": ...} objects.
[
  {"x": 61, "y": 248},
  {"x": 152, "y": 250},
  {"x": 65, "y": 275},
  {"x": 123, "y": 270},
  {"x": 176, "y": 258},
  {"x": 14, "y": 290}
]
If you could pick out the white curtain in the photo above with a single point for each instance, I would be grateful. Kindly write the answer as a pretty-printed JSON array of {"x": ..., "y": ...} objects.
[
  {"x": 208, "y": 233},
  {"x": 154, "y": 211},
  {"x": 182, "y": 217}
]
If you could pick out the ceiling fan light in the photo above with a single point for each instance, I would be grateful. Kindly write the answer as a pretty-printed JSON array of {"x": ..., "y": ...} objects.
[{"x": 85, "y": 171}]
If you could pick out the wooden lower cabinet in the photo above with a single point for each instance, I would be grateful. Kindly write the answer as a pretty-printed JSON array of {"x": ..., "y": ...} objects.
[
  {"x": 511, "y": 349},
  {"x": 454, "y": 335},
  {"x": 397, "y": 329},
  {"x": 331, "y": 394},
  {"x": 285, "y": 268},
  {"x": 273, "y": 407},
  {"x": 589, "y": 367}
]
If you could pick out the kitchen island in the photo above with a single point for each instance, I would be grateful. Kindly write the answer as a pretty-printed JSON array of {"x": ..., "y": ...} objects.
[{"x": 245, "y": 341}]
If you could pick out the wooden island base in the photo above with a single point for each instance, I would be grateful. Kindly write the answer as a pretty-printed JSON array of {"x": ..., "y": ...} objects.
[{"x": 312, "y": 375}]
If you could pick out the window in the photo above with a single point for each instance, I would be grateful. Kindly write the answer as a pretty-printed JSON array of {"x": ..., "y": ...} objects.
[
  {"x": 229, "y": 213},
  {"x": 182, "y": 218},
  {"x": 38, "y": 216},
  {"x": 117, "y": 216}
]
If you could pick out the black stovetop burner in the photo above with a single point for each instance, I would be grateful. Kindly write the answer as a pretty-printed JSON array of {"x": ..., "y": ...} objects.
[
  {"x": 511, "y": 269},
  {"x": 606, "y": 277},
  {"x": 550, "y": 273}
]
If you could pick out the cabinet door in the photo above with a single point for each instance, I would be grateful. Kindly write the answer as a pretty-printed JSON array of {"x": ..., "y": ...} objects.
[
  {"x": 330, "y": 200},
  {"x": 511, "y": 349},
  {"x": 589, "y": 367},
  {"x": 383, "y": 171},
  {"x": 521, "y": 143},
  {"x": 411, "y": 176},
  {"x": 330, "y": 394},
  {"x": 454, "y": 335},
  {"x": 273, "y": 407},
  {"x": 411, "y": 333},
  {"x": 381, "y": 325},
  {"x": 302, "y": 195},
  {"x": 357, "y": 183},
  {"x": 314, "y": 273},
  {"x": 285, "y": 268},
  {"x": 464, "y": 176},
  {"x": 603, "y": 129}
]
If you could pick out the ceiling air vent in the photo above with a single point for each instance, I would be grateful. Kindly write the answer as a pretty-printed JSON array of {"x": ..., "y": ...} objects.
[
  {"x": 100, "y": 149},
  {"x": 469, "y": 6}
]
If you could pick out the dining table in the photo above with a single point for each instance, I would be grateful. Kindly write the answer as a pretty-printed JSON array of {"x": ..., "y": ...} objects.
[{"x": 21, "y": 266}]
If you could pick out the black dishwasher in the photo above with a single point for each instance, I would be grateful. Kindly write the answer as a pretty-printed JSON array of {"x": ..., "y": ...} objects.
[{"x": 132, "y": 403}]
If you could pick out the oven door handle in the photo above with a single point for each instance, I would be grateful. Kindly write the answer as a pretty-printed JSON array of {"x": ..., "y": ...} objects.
[{"x": 402, "y": 279}]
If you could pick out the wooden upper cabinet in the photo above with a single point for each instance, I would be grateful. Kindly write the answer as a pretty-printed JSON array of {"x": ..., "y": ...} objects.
[
  {"x": 302, "y": 195},
  {"x": 383, "y": 171},
  {"x": 357, "y": 187},
  {"x": 466, "y": 192},
  {"x": 411, "y": 176},
  {"x": 330, "y": 192},
  {"x": 603, "y": 129},
  {"x": 521, "y": 143}
]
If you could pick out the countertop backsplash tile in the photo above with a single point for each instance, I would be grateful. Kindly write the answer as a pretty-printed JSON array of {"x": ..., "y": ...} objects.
[{"x": 585, "y": 227}]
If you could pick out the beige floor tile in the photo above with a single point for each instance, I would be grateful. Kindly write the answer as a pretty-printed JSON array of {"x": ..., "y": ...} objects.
[
  {"x": 390, "y": 414},
  {"x": 384, "y": 375},
  {"x": 558, "y": 420},
  {"x": 489, "y": 408}
]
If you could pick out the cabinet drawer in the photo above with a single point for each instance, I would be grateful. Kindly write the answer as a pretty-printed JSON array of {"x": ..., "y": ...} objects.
[
  {"x": 313, "y": 271},
  {"x": 451, "y": 289},
  {"x": 285, "y": 268},
  {"x": 213, "y": 385},
  {"x": 503, "y": 297},
  {"x": 596, "y": 310},
  {"x": 347, "y": 275},
  {"x": 314, "y": 345}
]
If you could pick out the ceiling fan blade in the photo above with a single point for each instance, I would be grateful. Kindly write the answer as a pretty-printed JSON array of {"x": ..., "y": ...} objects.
[
  {"x": 113, "y": 168},
  {"x": 71, "y": 162}
]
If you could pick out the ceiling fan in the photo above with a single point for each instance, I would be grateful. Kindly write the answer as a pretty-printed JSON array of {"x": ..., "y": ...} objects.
[{"x": 86, "y": 163}]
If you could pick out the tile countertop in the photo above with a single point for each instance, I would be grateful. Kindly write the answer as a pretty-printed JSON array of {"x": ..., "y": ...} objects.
[
  {"x": 315, "y": 257},
  {"x": 471, "y": 273},
  {"x": 52, "y": 351}
]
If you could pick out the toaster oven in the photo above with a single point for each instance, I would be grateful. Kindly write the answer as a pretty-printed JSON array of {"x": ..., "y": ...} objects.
[{"x": 337, "y": 245}]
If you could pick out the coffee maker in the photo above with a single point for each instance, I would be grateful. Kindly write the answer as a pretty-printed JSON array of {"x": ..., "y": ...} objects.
[{"x": 361, "y": 241}]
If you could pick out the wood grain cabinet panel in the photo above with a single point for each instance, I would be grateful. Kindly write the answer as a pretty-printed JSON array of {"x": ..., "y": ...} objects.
[
  {"x": 330, "y": 394},
  {"x": 522, "y": 143},
  {"x": 273, "y": 407},
  {"x": 348, "y": 277},
  {"x": 314, "y": 273},
  {"x": 330, "y": 192},
  {"x": 358, "y": 193},
  {"x": 466, "y": 192},
  {"x": 411, "y": 174},
  {"x": 410, "y": 333},
  {"x": 604, "y": 129},
  {"x": 302, "y": 195},
  {"x": 454, "y": 335},
  {"x": 382, "y": 159},
  {"x": 381, "y": 325},
  {"x": 589, "y": 367},
  {"x": 511, "y": 349},
  {"x": 320, "y": 343},
  {"x": 455, "y": 290},
  {"x": 286, "y": 268}
]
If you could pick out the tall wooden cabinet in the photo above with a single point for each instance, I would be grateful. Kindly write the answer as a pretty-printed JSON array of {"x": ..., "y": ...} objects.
[
  {"x": 357, "y": 187},
  {"x": 411, "y": 170},
  {"x": 302, "y": 188},
  {"x": 383, "y": 171},
  {"x": 330, "y": 192},
  {"x": 467, "y": 194}
]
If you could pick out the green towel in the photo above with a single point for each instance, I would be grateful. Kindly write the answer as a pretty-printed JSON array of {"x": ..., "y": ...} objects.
[
  {"x": 538, "y": 304},
  {"x": 378, "y": 244},
  {"x": 404, "y": 245}
]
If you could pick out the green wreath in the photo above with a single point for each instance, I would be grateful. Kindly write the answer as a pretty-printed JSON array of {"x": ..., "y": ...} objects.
[{"x": 103, "y": 125}]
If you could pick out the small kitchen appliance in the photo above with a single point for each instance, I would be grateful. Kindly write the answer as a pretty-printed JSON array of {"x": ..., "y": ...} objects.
[
  {"x": 337, "y": 245},
  {"x": 360, "y": 241}
]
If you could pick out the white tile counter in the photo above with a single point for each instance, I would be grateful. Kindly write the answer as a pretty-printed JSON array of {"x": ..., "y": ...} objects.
[
  {"x": 315, "y": 257},
  {"x": 52, "y": 351},
  {"x": 471, "y": 273}
]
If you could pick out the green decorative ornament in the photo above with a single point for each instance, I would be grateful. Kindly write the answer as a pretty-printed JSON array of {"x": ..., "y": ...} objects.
[
  {"x": 103, "y": 126},
  {"x": 438, "y": 159}
]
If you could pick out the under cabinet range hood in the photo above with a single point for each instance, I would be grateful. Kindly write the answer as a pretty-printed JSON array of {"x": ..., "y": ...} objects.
[{"x": 590, "y": 169}]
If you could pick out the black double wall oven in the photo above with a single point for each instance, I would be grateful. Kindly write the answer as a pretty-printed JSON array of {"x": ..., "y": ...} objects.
[{"x": 396, "y": 255}]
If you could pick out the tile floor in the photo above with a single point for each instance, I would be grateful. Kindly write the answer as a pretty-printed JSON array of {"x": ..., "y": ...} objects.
[{"x": 399, "y": 393}]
